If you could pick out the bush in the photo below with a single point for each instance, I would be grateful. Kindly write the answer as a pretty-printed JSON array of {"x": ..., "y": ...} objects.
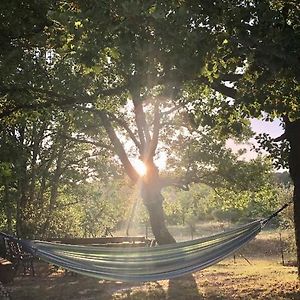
[{"x": 232, "y": 215}]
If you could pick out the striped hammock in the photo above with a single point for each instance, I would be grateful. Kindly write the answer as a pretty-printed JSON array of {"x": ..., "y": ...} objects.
[{"x": 147, "y": 263}]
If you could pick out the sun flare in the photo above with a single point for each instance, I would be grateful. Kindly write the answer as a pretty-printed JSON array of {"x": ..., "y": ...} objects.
[{"x": 139, "y": 167}]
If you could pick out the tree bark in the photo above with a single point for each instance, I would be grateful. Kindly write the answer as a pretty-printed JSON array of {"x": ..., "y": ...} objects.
[
  {"x": 296, "y": 199},
  {"x": 22, "y": 193},
  {"x": 153, "y": 200},
  {"x": 154, "y": 204},
  {"x": 55, "y": 182},
  {"x": 293, "y": 136},
  {"x": 151, "y": 183},
  {"x": 8, "y": 208}
]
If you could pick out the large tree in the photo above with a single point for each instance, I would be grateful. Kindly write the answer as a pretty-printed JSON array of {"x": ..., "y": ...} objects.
[
  {"x": 40, "y": 162},
  {"x": 173, "y": 61},
  {"x": 265, "y": 37},
  {"x": 112, "y": 58}
]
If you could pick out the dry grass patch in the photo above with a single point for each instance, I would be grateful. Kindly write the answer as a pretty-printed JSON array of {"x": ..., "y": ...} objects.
[{"x": 264, "y": 279}]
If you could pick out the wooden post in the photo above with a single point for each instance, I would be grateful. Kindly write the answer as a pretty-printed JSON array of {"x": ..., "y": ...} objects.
[{"x": 281, "y": 249}]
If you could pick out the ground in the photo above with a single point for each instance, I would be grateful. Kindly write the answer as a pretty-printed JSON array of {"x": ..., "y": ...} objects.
[
  {"x": 263, "y": 279},
  {"x": 257, "y": 274}
]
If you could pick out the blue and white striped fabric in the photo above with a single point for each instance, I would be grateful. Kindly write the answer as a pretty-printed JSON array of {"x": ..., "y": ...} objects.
[{"x": 146, "y": 264}]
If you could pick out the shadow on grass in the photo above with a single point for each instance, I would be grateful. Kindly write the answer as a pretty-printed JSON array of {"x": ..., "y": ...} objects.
[
  {"x": 183, "y": 288},
  {"x": 67, "y": 286}
]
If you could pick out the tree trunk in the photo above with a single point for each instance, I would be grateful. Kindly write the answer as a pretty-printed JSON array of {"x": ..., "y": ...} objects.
[
  {"x": 153, "y": 200},
  {"x": 8, "y": 208},
  {"x": 157, "y": 219},
  {"x": 22, "y": 182},
  {"x": 54, "y": 186},
  {"x": 22, "y": 200},
  {"x": 293, "y": 136},
  {"x": 296, "y": 198}
]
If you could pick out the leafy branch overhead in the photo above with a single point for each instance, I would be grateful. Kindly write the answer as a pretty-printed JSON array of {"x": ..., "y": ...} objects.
[{"x": 145, "y": 80}]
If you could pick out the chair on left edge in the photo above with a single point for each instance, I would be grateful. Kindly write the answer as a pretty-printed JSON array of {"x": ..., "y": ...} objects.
[{"x": 19, "y": 258}]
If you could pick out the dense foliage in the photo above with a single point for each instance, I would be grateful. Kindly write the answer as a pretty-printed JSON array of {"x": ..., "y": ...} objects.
[{"x": 86, "y": 86}]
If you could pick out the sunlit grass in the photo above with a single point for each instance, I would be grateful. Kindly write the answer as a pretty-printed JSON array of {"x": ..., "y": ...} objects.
[{"x": 263, "y": 279}]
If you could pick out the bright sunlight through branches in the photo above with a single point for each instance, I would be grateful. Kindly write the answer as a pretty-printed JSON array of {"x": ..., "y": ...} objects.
[{"x": 139, "y": 167}]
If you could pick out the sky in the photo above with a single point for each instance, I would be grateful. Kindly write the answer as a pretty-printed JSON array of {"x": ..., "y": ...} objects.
[{"x": 274, "y": 129}]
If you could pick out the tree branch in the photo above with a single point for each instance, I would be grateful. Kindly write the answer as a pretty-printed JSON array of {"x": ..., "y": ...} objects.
[
  {"x": 84, "y": 141},
  {"x": 178, "y": 182},
  {"x": 156, "y": 126},
  {"x": 52, "y": 98},
  {"x": 118, "y": 147},
  {"x": 224, "y": 90},
  {"x": 219, "y": 87},
  {"x": 125, "y": 126},
  {"x": 121, "y": 122},
  {"x": 280, "y": 138},
  {"x": 140, "y": 124},
  {"x": 230, "y": 77},
  {"x": 140, "y": 118},
  {"x": 171, "y": 110},
  {"x": 75, "y": 162}
]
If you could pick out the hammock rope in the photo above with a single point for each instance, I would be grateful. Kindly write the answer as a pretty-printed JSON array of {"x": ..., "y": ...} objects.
[{"x": 146, "y": 263}]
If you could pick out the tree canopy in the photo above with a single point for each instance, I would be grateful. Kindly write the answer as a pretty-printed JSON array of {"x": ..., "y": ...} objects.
[{"x": 172, "y": 77}]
